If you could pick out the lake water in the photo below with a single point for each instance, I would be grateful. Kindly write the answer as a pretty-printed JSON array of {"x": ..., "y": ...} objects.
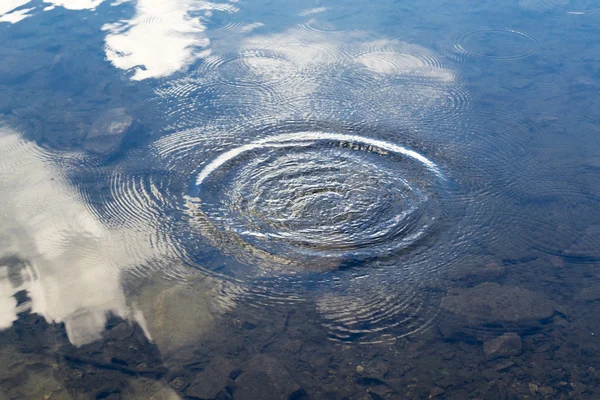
[{"x": 299, "y": 200}]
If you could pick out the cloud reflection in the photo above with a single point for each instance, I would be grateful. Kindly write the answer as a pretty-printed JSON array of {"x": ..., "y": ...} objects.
[
  {"x": 9, "y": 5},
  {"x": 163, "y": 37},
  {"x": 70, "y": 264},
  {"x": 75, "y": 4},
  {"x": 9, "y": 12},
  {"x": 73, "y": 267}
]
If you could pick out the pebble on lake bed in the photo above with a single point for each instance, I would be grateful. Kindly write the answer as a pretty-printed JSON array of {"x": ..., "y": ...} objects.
[
  {"x": 507, "y": 345},
  {"x": 266, "y": 378},
  {"x": 107, "y": 132}
]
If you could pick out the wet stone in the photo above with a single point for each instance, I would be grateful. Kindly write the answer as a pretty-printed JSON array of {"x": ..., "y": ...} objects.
[
  {"x": 507, "y": 345},
  {"x": 121, "y": 331},
  {"x": 578, "y": 388},
  {"x": 150, "y": 389},
  {"x": 490, "y": 374},
  {"x": 381, "y": 391},
  {"x": 546, "y": 391},
  {"x": 446, "y": 381},
  {"x": 100, "y": 383},
  {"x": 178, "y": 384},
  {"x": 488, "y": 307},
  {"x": 543, "y": 347},
  {"x": 212, "y": 380},
  {"x": 533, "y": 388},
  {"x": 496, "y": 390},
  {"x": 591, "y": 293},
  {"x": 320, "y": 361},
  {"x": 107, "y": 132},
  {"x": 485, "y": 271},
  {"x": 293, "y": 346},
  {"x": 376, "y": 370},
  {"x": 491, "y": 302},
  {"x": 504, "y": 366},
  {"x": 266, "y": 378},
  {"x": 436, "y": 391}
]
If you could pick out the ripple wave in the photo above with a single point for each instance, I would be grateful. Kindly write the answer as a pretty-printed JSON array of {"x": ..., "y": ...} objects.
[{"x": 317, "y": 194}]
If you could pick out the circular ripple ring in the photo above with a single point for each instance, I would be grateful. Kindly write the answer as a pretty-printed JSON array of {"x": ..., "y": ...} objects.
[
  {"x": 495, "y": 44},
  {"x": 310, "y": 196}
]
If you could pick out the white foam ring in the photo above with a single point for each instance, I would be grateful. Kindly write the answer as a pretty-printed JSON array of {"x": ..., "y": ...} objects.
[
  {"x": 319, "y": 194},
  {"x": 281, "y": 140}
]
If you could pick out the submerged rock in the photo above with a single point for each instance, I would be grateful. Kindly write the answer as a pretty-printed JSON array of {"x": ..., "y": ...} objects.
[
  {"x": 29, "y": 376},
  {"x": 491, "y": 302},
  {"x": 591, "y": 293},
  {"x": 107, "y": 132},
  {"x": 212, "y": 380},
  {"x": 149, "y": 389},
  {"x": 265, "y": 378},
  {"x": 492, "y": 307},
  {"x": 481, "y": 270},
  {"x": 496, "y": 390},
  {"x": 507, "y": 345},
  {"x": 179, "y": 314}
]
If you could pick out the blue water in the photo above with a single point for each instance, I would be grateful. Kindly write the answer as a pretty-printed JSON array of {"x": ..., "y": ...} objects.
[{"x": 337, "y": 200}]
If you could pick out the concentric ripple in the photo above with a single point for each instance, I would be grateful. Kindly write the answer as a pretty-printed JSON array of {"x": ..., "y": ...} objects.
[
  {"x": 333, "y": 22},
  {"x": 251, "y": 68},
  {"x": 552, "y": 209},
  {"x": 562, "y": 232},
  {"x": 346, "y": 174},
  {"x": 564, "y": 7},
  {"x": 305, "y": 197},
  {"x": 494, "y": 44},
  {"x": 315, "y": 25},
  {"x": 240, "y": 27},
  {"x": 377, "y": 306}
]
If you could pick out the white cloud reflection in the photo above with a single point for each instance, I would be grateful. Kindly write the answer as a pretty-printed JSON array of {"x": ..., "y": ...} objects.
[
  {"x": 9, "y": 5},
  {"x": 312, "y": 11},
  {"x": 162, "y": 38},
  {"x": 72, "y": 266},
  {"x": 16, "y": 16},
  {"x": 75, "y": 4},
  {"x": 8, "y": 12},
  {"x": 71, "y": 263}
]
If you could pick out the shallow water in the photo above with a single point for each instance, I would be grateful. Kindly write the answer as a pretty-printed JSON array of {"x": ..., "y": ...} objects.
[{"x": 340, "y": 200}]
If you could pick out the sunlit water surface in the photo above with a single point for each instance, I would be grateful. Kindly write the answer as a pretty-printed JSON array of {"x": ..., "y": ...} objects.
[{"x": 250, "y": 199}]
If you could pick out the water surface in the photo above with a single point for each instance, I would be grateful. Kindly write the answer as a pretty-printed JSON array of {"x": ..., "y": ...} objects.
[{"x": 339, "y": 200}]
